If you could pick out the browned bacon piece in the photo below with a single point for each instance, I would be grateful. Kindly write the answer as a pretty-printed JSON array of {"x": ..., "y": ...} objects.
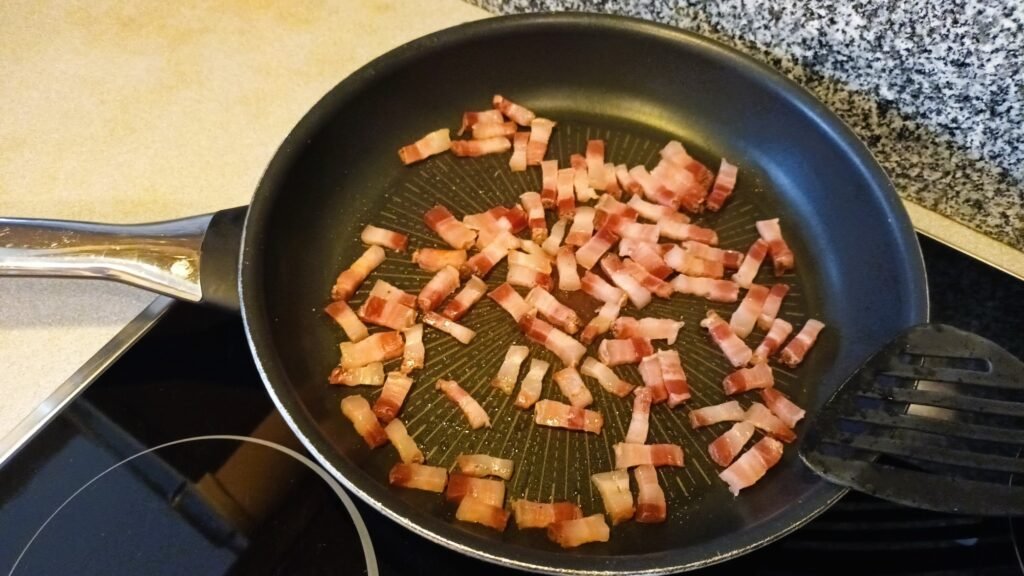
[
  {"x": 433, "y": 143},
  {"x": 372, "y": 374},
  {"x": 357, "y": 410},
  {"x": 434, "y": 259},
  {"x": 540, "y": 134},
  {"x": 615, "y": 494},
  {"x": 571, "y": 384},
  {"x": 559, "y": 415},
  {"x": 722, "y": 189},
  {"x": 462, "y": 486},
  {"x": 407, "y": 449},
  {"x": 601, "y": 323},
  {"x": 392, "y": 396},
  {"x": 744, "y": 379},
  {"x": 575, "y": 532},
  {"x": 475, "y": 148},
  {"x": 347, "y": 319},
  {"x": 485, "y": 130},
  {"x": 794, "y": 352},
  {"x": 418, "y": 476},
  {"x": 444, "y": 224},
  {"x": 479, "y": 512},
  {"x": 542, "y": 514},
  {"x": 350, "y": 279},
  {"x": 518, "y": 114}
]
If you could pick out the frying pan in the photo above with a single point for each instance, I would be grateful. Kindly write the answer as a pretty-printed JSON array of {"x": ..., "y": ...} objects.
[{"x": 633, "y": 83}]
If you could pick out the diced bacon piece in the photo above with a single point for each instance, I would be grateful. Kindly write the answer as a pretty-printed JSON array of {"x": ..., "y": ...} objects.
[
  {"x": 596, "y": 287},
  {"x": 542, "y": 514},
  {"x": 606, "y": 377},
  {"x": 648, "y": 328},
  {"x": 743, "y": 319},
  {"x": 726, "y": 447},
  {"x": 649, "y": 257},
  {"x": 573, "y": 533},
  {"x": 491, "y": 223},
  {"x": 462, "y": 486},
  {"x": 674, "y": 377},
  {"x": 403, "y": 442},
  {"x": 475, "y": 413},
  {"x": 615, "y": 352},
  {"x": 633, "y": 230},
  {"x": 686, "y": 263},
  {"x": 730, "y": 259},
  {"x": 477, "y": 511},
  {"x": 793, "y": 354},
  {"x": 418, "y": 476},
  {"x": 653, "y": 189},
  {"x": 582, "y": 227},
  {"x": 440, "y": 287},
  {"x": 640, "y": 419},
  {"x": 388, "y": 313},
  {"x": 607, "y": 206},
  {"x": 611, "y": 184},
  {"x": 560, "y": 415},
  {"x": 512, "y": 219},
  {"x": 752, "y": 465},
  {"x": 476, "y": 148},
  {"x": 681, "y": 183},
  {"x": 379, "y": 347},
  {"x": 386, "y": 291},
  {"x": 626, "y": 181},
  {"x": 434, "y": 259},
  {"x": 557, "y": 313},
  {"x": 656, "y": 212},
  {"x": 732, "y": 346},
  {"x": 540, "y": 135},
  {"x": 508, "y": 373},
  {"x": 722, "y": 189},
  {"x": 711, "y": 288},
  {"x": 783, "y": 407},
  {"x": 614, "y": 489},
  {"x": 601, "y": 323},
  {"x": 354, "y": 328},
  {"x": 566, "y": 198},
  {"x": 675, "y": 229},
  {"x": 481, "y": 465},
  {"x": 568, "y": 350},
  {"x": 777, "y": 334},
  {"x": 535, "y": 211},
  {"x": 675, "y": 153},
  {"x": 375, "y": 236},
  {"x": 724, "y": 412},
  {"x": 568, "y": 275},
  {"x": 763, "y": 419},
  {"x": 392, "y": 396},
  {"x": 350, "y": 279},
  {"x": 649, "y": 281},
  {"x": 470, "y": 294},
  {"x": 414, "y": 354},
  {"x": 469, "y": 119},
  {"x": 772, "y": 304},
  {"x": 782, "y": 256},
  {"x": 450, "y": 327},
  {"x": 549, "y": 182},
  {"x": 538, "y": 262},
  {"x": 517, "y": 163},
  {"x": 751, "y": 263},
  {"x": 526, "y": 276},
  {"x": 554, "y": 239},
  {"x": 534, "y": 250},
  {"x": 507, "y": 297},
  {"x": 371, "y": 374},
  {"x": 518, "y": 114},
  {"x": 482, "y": 262},
  {"x": 571, "y": 384},
  {"x": 485, "y": 130},
  {"x": 599, "y": 243},
  {"x": 637, "y": 293},
  {"x": 444, "y": 224},
  {"x": 580, "y": 179},
  {"x": 433, "y": 143},
  {"x": 357, "y": 410},
  {"x": 650, "y": 500},
  {"x": 744, "y": 379},
  {"x": 595, "y": 164},
  {"x": 533, "y": 383},
  {"x": 650, "y": 372},
  {"x": 629, "y": 455}
]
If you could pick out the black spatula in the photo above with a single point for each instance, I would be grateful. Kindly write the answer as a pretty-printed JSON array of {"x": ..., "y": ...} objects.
[{"x": 934, "y": 420}]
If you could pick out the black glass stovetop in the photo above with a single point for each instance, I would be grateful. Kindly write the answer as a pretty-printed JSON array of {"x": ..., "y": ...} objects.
[{"x": 176, "y": 462}]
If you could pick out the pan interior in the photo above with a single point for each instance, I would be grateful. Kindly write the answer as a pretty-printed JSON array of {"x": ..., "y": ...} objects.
[{"x": 636, "y": 86}]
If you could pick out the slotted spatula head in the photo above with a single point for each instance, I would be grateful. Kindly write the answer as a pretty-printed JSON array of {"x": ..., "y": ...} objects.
[{"x": 934, "y": 420}]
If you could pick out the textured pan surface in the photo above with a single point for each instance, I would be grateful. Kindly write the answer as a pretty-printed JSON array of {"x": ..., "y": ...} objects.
[{"x": 636, "y": 85}]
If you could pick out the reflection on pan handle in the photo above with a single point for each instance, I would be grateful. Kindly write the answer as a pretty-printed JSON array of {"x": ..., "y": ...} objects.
[{"x": 193, "y": 259}]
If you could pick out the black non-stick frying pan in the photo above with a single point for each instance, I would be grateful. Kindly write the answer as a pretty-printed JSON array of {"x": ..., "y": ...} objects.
[{"x": 633, "y": 83}]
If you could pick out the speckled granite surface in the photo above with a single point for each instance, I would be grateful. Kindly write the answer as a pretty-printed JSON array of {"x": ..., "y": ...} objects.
[{"x": 934, "y": 87}]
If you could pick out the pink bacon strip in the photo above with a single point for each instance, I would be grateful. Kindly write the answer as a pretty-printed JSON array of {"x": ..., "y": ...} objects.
[
  {"x": 392, "y": 396},
  {"x": 549, "y": 181},
  {"x": 379, "y": 347},
  {"x": 386, "y": 291},
  {"x": 450, "y": 327},
  {"x": 533, "y": 382},
  {"x": 751, "y": 263},
  {"x": 674, "y": 377},
  {"x": 650, "y": 499},
  {"x": 653, "y": 188},
  {"x": 783, "y": 407},
  {"x": 722, "y": 189},
  {"x": 508, "y": 373},
  {"x": 639, "y": 421},
  {"x": 371, "y": 374},
  {"x": 674, "y": 229},
  {"x": 476, "y": 148},
  {"x": 414, "y": 353},
  {"x": 442, "y": 285},
  {"x": 470, "y": 294},
  {"x": 481, "y": 465},
  {"x": 650, "y": 372},
  {"x": 517, "y": 163},
  {"x": 527, "y": 277},
  {"x": 712, "y": 289},
  {"x": 777, "y": 334},
  {"x": 554, "y": 311},
  {"x": 649, "y": 281},
  {"x": 601, "y": 323},
  {"x": 732, "y": 346},
  {"x": 535, "y": 212},
  {"x": 648, "y": 256},
  {"x": 519, "y": 114},
  {"x": 543, "y": 514},
  {"x": 681, "y": 183},
  {"x": 611, "y": 184},
  {"x": 407, "y": 449},
  {"x": 599, "y": 289},
  {"x": 730, "y": 259},
  {"x": 606, "y": 377},
  {"x": 433, "y": 259},
  {"x": 471, "y": 408},
  {"x": 482, "y": 262},
  {"x": 579, "y": 531},
  {"x": 572, "y": 387},
  {"x": 469, "y": 119},
  {"x": 772, "y": 304},
  {"x": 595, "y": 164},
  {"x": 724, "y": 449},
  {"x": 444, "y": 224},
  {"x": 752, "y": 465},
  {"x": 433, "y": 143},
  {"x": 540, "y": 135},
  {"x": 648, "y": 328},
  {"x": 743, "y": 319},
  {"x": 744, "y": 379},
  {"x": 580, "y": 180},
  {"x": 558, "y": 415},
  {"x": 485, "y": 130},
  {"x": 638, "y": 295},
  {"x": 350, "y": 279},
  {"x": 656, "y": 212},
  {"x": 626, "y": 181},
  {"x": 354, "y": 328},
  {"x": 596, "y": 247},
  {"x": 566, "y": 198},
  {"x": 510, "y": 300},
  {"x": 686, "y": 263},
  {"x": 551, "y": 245},
  {"x": 793, "y": 354},
  {"x": 582, "y": 227},
  {"x": 388, "y": 313},
  {"x": 462, "y": 486},
  {"x": 708, "y": 415},
  {"x": 633, "y": 230},
  {"x": 615, "y": 351},
  {"x": 608, "y": 206},
  {"x": 418, "y": 476},
  {"x": 782, "y": 256},
  {"x": 676, "y": 153},
  {"x": 630, "y": 455},
  {"x": 763, "y": 419},
  {"x": 357, "y": 410},
  {"x": 375, "y": 236},
  {"x": 568, "y": 350},
  {"x": 477, "y": 511},
  {"x": 615, "y": 494},
  {"x": 568, "y": 275}
]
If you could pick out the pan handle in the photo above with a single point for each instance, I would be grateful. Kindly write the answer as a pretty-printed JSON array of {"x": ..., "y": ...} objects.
[{"x": 193, "y": 259}]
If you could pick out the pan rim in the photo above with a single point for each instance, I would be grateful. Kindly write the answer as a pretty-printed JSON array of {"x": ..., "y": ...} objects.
[{"x": 258, "y": 325}]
